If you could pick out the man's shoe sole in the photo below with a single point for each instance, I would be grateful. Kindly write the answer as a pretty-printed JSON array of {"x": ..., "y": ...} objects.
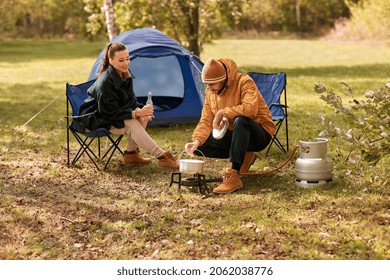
[
  {"x": 137, "y": 163},
  {"x": 233, "y": 190}
]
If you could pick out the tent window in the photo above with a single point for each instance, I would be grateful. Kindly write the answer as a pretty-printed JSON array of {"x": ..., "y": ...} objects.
[{"x": 160, "y": 75}]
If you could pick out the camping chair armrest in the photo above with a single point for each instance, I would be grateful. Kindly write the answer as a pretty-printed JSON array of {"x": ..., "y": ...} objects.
[
  {"x": 72, "y": 117},
  {"x": 279, "y": 105},
  {"x": 77, "y": 117}
]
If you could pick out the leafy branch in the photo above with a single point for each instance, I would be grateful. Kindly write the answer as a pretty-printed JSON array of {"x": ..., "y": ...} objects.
[{"x": 366, "y": 126}]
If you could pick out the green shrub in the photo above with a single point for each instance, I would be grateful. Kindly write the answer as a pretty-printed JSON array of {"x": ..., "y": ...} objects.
[{"x": 367, "y": 122}]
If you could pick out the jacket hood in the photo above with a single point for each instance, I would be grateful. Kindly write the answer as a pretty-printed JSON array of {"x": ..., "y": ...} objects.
[{"x": 231, "y": 69}]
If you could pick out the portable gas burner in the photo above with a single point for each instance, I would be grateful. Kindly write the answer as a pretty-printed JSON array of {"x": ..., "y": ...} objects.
[{"x": 196, "y": 183}]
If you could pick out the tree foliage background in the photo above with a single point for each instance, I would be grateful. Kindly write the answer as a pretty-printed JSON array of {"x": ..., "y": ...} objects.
[
  {"x": 42, "y": 18},
  {"x": 191, "y": 22}
]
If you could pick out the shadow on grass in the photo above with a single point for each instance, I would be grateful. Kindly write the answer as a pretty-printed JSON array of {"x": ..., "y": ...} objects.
[
  {"x": 28, "y": 51},
  {"x": 355, "y": 71},
  {"x": 98, "y": 210}
]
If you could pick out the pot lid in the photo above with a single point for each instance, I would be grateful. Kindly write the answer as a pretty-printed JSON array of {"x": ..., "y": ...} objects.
[{"x": 220, "y": 133}]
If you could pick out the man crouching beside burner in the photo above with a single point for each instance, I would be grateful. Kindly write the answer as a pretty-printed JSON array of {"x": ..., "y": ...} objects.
[{"x": 232, "y": 97}]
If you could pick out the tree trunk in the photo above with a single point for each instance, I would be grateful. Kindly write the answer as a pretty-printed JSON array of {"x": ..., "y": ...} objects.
[
  {"x": 194, "y": 31},
  {"x": 191, "y": 12},
  {"x": 298, "y": 14},
  {"x": 110, "y": 19}
]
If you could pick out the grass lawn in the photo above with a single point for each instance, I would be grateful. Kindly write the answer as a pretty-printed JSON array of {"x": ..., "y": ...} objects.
[{"x": 51, "y": 211}]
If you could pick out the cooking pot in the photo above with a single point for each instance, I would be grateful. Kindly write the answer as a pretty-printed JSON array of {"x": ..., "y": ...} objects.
[{"x": 191, "y": 166}]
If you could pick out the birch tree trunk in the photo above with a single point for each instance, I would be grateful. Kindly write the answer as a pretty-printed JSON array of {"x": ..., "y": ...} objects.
[
  {"x": 110, "y": 19},
  {"x": 298, "y": 14}
]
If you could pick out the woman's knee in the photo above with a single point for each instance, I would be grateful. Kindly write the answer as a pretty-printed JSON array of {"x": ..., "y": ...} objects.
[
  {"x": 131, "y": 124},
  {"x": 143, "y": 123}
]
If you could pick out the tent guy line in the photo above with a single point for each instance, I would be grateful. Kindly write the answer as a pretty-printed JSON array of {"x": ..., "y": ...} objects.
[{"x": 33, "y": 117}]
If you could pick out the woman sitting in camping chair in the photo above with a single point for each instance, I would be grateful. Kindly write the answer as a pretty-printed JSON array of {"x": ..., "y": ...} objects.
[{"x": 120, "y": 111}]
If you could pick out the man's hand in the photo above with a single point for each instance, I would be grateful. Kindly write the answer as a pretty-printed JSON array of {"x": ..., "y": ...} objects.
[
  {"x": 191, "y": 147},
  {"x": 219, "y": 120}
]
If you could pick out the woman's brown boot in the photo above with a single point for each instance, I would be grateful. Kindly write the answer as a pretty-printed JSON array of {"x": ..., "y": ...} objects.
[
  {"x": 167, "y": 160},
  {"x": 133, "y": 157}
]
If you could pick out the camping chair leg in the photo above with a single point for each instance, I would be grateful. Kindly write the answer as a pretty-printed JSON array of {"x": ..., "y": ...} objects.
[
  {"x": 269, "y": 147},
  {"x": 94, "y": 163},
  {"x": 277, "y": 143},
  {"x": 114, "y": 147},
  {"x": 81, "y": 151},
  {"x": 87, "y": 150},
  {"x": 276, "y": 140},
  {"x": 98, "y": 147},
  {"x": 67, "y": 144},
  {"x": 286, "y": 116},
  {"x": 84, "y": 147},
  {"x": 67, "y": 131},
  {"x": 287, "y": 145},
  {"x": 280, "y": 146}
]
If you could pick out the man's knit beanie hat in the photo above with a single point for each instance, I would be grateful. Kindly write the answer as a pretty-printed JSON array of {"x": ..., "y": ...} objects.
[{"x": 213, "y": 72}]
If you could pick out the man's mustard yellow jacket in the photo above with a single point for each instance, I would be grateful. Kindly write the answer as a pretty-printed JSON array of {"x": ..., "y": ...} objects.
[{"x": 241, "y": 98}]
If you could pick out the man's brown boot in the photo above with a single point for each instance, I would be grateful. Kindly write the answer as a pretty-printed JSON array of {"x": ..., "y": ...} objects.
[
  {"x": 167, "y": 160},
  {"x": 249, "y": 159},
  {"x": 133, "y": 157},
  {"x": 231, "y": 182}
]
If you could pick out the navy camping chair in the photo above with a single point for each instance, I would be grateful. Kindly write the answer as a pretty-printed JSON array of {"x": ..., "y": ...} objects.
[
  {"x": 273, "y": 89},
  {"x": 75, "y": 95}
]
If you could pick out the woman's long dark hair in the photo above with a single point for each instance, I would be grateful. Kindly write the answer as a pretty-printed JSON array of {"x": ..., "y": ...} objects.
[{"x": 111, "y": 49}]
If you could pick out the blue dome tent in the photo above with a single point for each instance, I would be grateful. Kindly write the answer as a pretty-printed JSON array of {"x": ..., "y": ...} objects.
[{"x": 164, "y": 67}]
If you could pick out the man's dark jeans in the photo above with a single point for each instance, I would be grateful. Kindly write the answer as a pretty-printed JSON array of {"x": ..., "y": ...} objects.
[{"x": 247, "y": 135}]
